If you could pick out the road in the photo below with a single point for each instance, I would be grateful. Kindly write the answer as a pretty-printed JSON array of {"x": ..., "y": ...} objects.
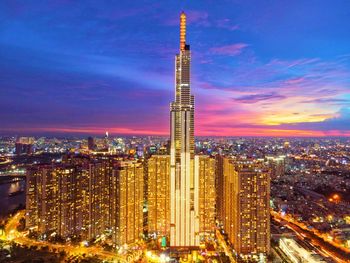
[
  {"x": 313, "y": 239},
  {"x": 20, "y": 238},
  {"x": 223, "y": 244},
  {"x": 325, "y": 237}
]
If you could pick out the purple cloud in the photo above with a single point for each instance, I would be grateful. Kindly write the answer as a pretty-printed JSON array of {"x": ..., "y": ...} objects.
[
  {"x": 258, "y": 97},
  {"x": 226, "y": 24},
  {"x": 231, "y": 50},
  {"x": 326, "y": 100}
]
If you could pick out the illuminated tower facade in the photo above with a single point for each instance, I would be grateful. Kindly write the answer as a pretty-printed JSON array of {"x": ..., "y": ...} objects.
[{"x": 184, "y": 224}]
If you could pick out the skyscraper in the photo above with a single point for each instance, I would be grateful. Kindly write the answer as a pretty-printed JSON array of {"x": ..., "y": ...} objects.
[
  {"x": 53, "y": 200},
  {"x": 183, "y": 185},
  {"x": 99, "y": 203},
  {"x": 219, "y": 187},
  {"x": 128, "y": 196},
  {"x": 158, "y": 195},
  {"x": 246, "y": 206},
  {"x": 205, "y": 170},
  {"x": 85, "y": 197}
]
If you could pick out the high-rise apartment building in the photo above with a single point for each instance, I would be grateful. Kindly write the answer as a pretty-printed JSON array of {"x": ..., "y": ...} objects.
[
  {"x": 205, "y": 172},
  {"x": 128, "y": 195},
  {"x": 53, "y": 203},
  {"x": 184, "y": 223},
  {"x": 158, "y": 197},
  {"x": 87, "y": 197},
  {"x": 219, "y": 186},
  {"x": 99, "y": 198},
  {"x": 246, "y": 206},
  {"x": 32, "y": 197}
]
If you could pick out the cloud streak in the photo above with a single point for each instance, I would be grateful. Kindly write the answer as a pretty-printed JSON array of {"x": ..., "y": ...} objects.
[
  {"x": 250, "y": 99},
  {"x": 230, "y": 50}
]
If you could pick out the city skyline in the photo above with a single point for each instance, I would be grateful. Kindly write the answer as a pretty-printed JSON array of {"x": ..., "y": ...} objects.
[
  {"x": 259, "y": 70},
  {"x": 253, "y": 164}
]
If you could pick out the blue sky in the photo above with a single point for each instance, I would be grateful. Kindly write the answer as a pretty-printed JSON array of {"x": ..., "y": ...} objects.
[{"x": 258, "y": 67}]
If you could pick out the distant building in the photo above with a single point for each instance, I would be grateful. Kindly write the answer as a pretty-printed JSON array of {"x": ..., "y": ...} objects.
[
  {"x": 140, "y": 150},
  {"x": 91, "y": 143},
  {"x": 246, "y": 206},
  {"x": 286, "y": 145},
  {"x": 277, "y": 165},
  {"x": 24, "y": 145}
]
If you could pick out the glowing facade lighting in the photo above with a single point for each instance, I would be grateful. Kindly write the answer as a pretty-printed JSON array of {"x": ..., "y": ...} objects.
[
  {"x": 159, "y": 194},
  {"x": 183, "y": 184},
  {"x": 246, "y": 205},
  {"x": 182, "y": 31}
]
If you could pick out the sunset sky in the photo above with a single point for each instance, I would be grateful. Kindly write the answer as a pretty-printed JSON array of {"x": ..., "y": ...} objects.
[{"x": 259, "y": 68}]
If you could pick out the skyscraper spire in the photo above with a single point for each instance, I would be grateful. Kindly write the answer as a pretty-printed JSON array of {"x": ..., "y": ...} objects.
[{"x": 182, "y": 31}]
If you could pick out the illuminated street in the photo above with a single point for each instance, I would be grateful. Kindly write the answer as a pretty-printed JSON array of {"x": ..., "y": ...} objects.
[
  {"x": 11, "y": 234},
  {"x": 319, "y": 246},
  {"x": 221, "y": 241}
]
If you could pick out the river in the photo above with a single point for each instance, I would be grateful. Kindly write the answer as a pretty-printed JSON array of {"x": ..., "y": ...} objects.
[{"x": 10, "y": 203}]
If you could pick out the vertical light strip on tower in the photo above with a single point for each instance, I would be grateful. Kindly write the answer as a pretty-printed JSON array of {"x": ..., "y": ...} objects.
[{"x": 182, "y": 31}]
